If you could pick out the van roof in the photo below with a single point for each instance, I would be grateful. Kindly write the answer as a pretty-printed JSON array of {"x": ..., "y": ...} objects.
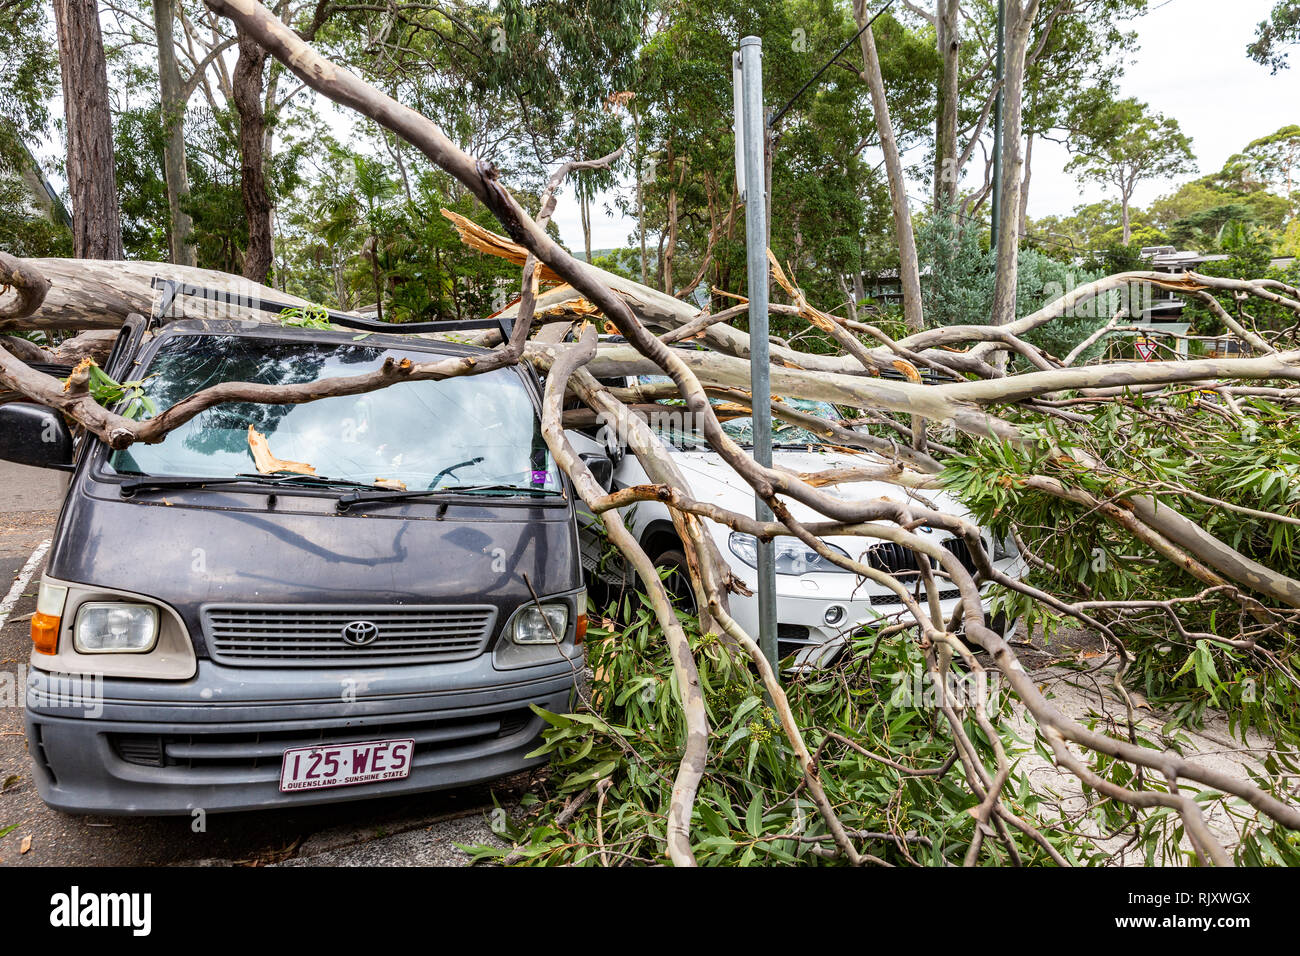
[
  {"x": 288, "y": 333},
  {"x": 172, "y": 292}
]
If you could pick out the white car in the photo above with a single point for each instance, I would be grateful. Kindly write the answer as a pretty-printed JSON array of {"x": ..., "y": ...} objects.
[{"x": 819, "y": 605}]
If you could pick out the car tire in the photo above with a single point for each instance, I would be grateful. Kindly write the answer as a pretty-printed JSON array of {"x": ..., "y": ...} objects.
[
  {"x": 1000, "y": 625},
  {"x": 678, "y": 581}
]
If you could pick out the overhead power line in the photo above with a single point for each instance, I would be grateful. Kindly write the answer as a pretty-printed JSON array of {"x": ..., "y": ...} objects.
[{"x": 776, "y": 117}]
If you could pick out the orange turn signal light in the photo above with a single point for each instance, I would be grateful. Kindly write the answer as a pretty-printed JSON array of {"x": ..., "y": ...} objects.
[
  {"x": 580, "y": 630},
  {"x": 45, "y": 633}
]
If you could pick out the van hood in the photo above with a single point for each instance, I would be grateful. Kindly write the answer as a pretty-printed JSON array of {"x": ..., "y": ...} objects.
[{"x": 213, "y": 547}]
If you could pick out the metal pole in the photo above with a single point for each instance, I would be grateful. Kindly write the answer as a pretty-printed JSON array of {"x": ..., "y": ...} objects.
[
  {"x": 997, "y": 127},
  {"x": 760, "y": 369}
]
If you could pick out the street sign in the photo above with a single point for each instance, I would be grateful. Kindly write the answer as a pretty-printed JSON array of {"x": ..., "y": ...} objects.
[
  {"x": 1146, "y": 349},
  {"x": 738, "y": 122}
]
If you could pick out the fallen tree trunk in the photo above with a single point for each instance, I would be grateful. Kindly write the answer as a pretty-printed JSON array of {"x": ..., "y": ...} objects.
[{"x": 95, "y": 294}]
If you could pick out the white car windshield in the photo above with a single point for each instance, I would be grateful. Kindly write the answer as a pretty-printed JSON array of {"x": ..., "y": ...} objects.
[
  {"x": 464, "y": 431},
  {"x": 673, "y": 427}
]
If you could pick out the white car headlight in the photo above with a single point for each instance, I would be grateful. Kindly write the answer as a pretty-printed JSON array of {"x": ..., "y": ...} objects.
[
  {"x": 792, "y": 557},
  {"x": 540, "y": 624},
  {"x": 115, "y": 628}
]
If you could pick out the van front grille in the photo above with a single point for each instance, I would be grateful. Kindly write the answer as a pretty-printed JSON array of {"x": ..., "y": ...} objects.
[{"x": 330, "y": 636}]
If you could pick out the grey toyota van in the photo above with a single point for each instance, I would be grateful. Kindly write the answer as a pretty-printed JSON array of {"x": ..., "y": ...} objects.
[{"x": 281, "y": 605}]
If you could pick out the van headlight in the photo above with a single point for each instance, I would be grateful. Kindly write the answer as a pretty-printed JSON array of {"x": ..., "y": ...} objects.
[
  {"x": 792, "y": 557},
  {"x": 115, "y": 628},
  {"x": 540, "y": 624}
]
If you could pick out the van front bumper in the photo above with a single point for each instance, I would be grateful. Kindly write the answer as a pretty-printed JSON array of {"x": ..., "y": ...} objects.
[{"x": 214, "y": 742}]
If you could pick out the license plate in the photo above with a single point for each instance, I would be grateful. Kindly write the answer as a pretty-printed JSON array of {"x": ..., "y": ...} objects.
[{"x": 343, "y": 765}]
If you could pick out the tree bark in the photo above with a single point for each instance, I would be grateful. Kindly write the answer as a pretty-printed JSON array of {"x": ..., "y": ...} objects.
[
  {"x": 670, "y": 243},
  {"x": 92, "y": 184},
  {"x": 1125, "y": 217},
  {"x": 247, "y": 85},
  {"x": 175, "y": 170},
  {"x": 947, "y": 169},
  {"x": 640, "y": 197},
  {"x": 95, "y": 295},
  {"x": 1024, "y": 184},
  {"x": 909, "y": 269},
  {"x": 1019, "y": 19}
]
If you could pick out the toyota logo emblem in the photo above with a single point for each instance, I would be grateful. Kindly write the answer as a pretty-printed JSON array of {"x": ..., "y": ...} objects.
[{"x": 360, "y": 633}]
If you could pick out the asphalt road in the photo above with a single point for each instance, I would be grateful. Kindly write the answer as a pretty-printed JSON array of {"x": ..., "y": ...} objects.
[{"x": 417, "y": 830}]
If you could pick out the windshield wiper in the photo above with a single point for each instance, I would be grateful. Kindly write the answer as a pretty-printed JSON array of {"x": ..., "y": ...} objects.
[
  {"x": 176, "y": 482},
  {"x": 320, "y": 481},
  {"x": 163, "y": 482},
  {"x": 358, "y": 497}
]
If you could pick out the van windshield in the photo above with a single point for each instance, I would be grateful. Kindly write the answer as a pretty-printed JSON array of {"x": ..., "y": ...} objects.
[{"x": 466, "y": 431}]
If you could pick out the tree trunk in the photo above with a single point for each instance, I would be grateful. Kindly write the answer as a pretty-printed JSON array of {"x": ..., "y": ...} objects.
[
  {"x": 1019, "y": 18},
  {"x": 247, "y": 94},
  {"x": 1124, "y": 215},
  {"x": 585, "y": 209},
  {"x": 640, "y": 199},
  {"x": 92, "y": 185},
  {"x": 670, "y": 244},
  {"x": 1024, "y": 183},
  {"x": 947, "y": 170},
  {"x": 175, "y": 171},
  {"x": 909, "y": 270},
  {"x": 90, "y": 295},
  {"x": 268, "y": 146}
]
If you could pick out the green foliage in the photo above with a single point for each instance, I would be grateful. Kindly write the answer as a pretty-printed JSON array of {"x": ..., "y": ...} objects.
[
  {"x": 1093, "y": 227},
  {"x": 1043, "y": 279},
  {"x": 304, "y": 317},
  {"x": 1249, "y": 257},
  {"x": 28, "y": 231},
  {"x": 1274, "y": 36},
  {"x": 34, "y": 225},
  {"x": 751, "y": 807},
  {"x": 108, "y": 392},
  {"x": 1122, "y": 142},
  {"x": 359, "y": 234},
  {"x": 1117, "y": 257},
  {"x": 1252, "y": 464},
  {"x": 29, "y": 78},
  {"x": 138, "y": 138},
  {"x": 958, "y": 272}
]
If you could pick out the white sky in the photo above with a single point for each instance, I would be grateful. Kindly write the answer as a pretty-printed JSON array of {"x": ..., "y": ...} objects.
[{"x": 1191, "y": 65}]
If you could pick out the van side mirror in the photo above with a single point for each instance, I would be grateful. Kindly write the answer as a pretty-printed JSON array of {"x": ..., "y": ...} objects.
[
  {"x": 602, "y": 469},
  {"x": 34, "y": 435}
]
